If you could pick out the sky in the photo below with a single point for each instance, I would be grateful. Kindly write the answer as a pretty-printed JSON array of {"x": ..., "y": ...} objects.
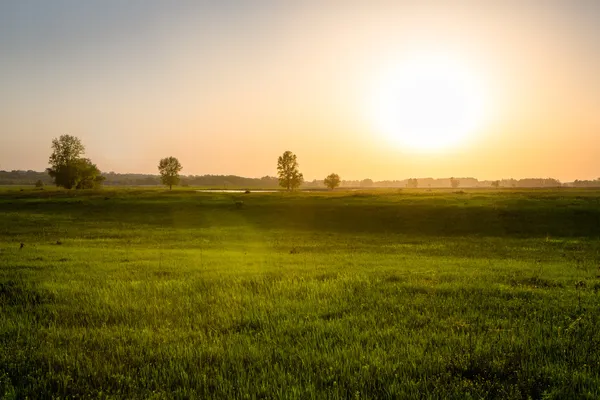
[{"x": 228, "y": 86}]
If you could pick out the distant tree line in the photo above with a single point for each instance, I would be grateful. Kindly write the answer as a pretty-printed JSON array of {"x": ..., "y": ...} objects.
[
  {"x": 29, "y": 177},
  {"x": 453, "y": 182},
  {"x": 69, "y": 169},
  {"x": 230, "y": 181},
  {"x": 583, "y": 184},
  {"x": 130, "y": 179}
]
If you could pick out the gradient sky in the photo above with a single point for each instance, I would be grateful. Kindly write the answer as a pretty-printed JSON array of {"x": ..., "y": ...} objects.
[{"x": 227, "y": 86}]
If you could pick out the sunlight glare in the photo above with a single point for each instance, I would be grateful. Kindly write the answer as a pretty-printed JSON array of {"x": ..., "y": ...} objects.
[{"x": 428, "y": 103}]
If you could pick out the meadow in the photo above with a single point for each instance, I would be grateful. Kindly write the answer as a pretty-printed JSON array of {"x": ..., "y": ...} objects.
[{"x": 443, "y": 294}]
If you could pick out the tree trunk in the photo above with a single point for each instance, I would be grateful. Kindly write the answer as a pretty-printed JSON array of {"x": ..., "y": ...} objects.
[{"x": 170, "y": 187}]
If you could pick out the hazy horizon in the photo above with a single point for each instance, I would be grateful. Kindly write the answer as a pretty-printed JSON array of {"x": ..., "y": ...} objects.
[
  {"x": 423, "y": 180},
  {"x": 227, "y": 87}
]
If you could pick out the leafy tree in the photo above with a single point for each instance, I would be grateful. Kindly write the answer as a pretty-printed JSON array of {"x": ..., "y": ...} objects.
[
  {"x": 412, "y": 183},
  {"x": 496, "y": 184},
  {"x": 67, "y": 166},
  {"x": 87, "y": 174},
  {"x": 454, "y": 182},
  {"x": 287, "y": 169},
  {"x": 39, "y": 183},
  {"x": 169, "y": 171},
  {"x": 332, "y": 181}
]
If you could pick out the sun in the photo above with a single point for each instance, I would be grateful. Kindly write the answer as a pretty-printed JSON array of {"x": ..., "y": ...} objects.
[{"x": 428, "y": 103}]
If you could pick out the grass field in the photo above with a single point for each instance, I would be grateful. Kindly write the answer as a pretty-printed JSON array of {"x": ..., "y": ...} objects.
[{"x": 381, "y": 294}]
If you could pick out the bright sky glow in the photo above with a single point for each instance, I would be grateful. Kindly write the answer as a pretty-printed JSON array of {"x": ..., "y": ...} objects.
[
  {"x": 429, "y": 103},
  {"x": 372, "y": 89}
]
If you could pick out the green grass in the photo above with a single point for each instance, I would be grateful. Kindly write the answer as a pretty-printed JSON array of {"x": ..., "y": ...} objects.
[{"x": 378, "y": 294}]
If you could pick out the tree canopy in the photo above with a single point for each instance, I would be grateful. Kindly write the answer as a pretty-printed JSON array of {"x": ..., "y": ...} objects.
[
  {"x": 68, "y": 168},
  {"x": 169, "y": 168},
  {"x": 287, "y": 170},
  {"x": 332, "y": 181}
]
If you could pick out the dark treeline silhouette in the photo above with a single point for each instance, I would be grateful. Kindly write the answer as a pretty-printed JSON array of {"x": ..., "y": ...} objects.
[
  {"x": 270, "y": 182},
  {"x": 227, "y": 181},
  {"x": 29, "y": 177},
  {"x": 211, "y": 181},
  {"x": 578, "y": 183}
]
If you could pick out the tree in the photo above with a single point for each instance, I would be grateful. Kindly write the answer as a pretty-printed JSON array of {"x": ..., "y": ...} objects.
[
  {"x": 496, "y": 184},
  {"x": 67, "y": 166},
  {"x": 332, "y": 181},
  {"x": 87, "y": 174},
  {"x": 287, "y": 169},
  {"x": 454, "y": 182},
  {"x": 39, "y": 184},
  {"x": 169, "y": 171},
  {"x": 412, "y": 183}
]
